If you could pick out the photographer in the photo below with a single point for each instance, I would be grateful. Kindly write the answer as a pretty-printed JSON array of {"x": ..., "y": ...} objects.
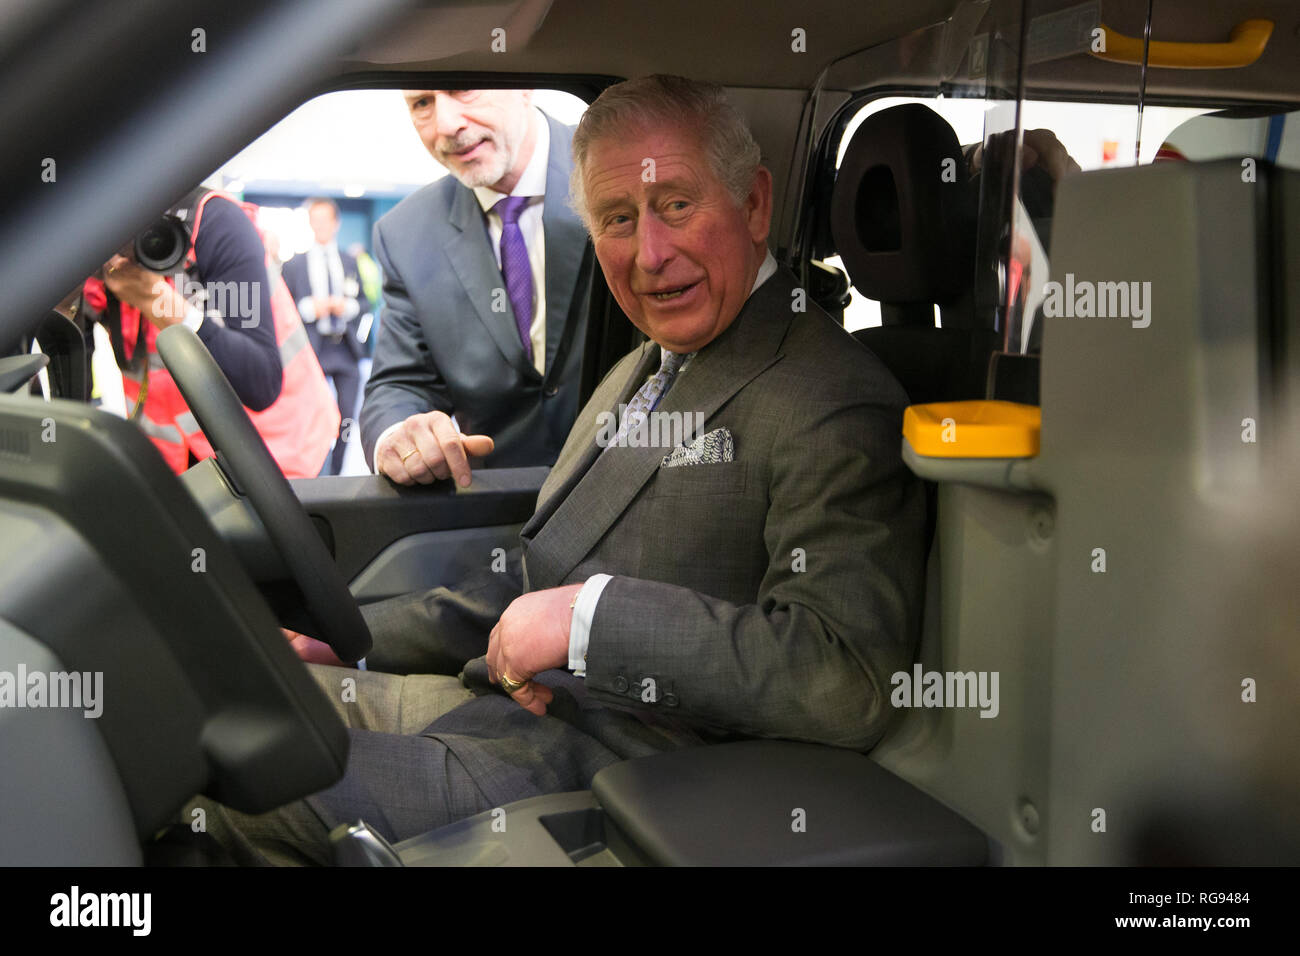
[{"x": 246, "y": 321}]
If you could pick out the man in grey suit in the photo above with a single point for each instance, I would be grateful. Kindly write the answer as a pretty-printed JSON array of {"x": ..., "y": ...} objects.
[
  {"x": 485, "y": 293},
  {"x": 759, "y": 577}
]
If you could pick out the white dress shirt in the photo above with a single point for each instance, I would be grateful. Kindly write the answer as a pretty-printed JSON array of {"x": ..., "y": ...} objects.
[
  {"x": 584, "y": 609},
  {"x": 532, "y": 184},
  {"x": 325, "y": 268}
]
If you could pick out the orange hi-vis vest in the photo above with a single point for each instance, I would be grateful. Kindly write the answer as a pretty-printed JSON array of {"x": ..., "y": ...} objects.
[{"x": 299, "y": 427}]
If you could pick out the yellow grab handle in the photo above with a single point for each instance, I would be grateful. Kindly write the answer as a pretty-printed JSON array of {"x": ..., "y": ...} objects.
[{"x": 1249, "y": 37}]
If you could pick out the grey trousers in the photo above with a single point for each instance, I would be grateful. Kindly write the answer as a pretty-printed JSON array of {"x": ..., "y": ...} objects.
[{"x": 385, "y": 714}]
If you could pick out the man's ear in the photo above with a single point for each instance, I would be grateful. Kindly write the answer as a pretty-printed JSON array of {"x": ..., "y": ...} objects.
[{"x": 758, "y": 205}]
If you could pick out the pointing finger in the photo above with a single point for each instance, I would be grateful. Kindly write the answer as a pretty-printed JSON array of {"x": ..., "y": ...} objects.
[{"x": 449, "y": 441}]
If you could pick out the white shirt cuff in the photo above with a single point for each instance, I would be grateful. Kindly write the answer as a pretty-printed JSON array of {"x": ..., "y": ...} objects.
[
  {"x": 306, "y": 309},
  {"x": 374, "y": 464},
  {"x": 584, "y": 611},
  {"x": 193, "y": 317}
]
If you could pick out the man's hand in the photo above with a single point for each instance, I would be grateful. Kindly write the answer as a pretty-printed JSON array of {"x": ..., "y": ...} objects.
[
  {"x": 311, "y": 650},
  {"x": 532, "y": 636},
  {"x": 1042, "y": 148},
  {"x": 1039, "y": 147},
  {"x": 149, "y": 292},
  {"x": 320, "y": 306},
  {"x": 428, "y": 446}
]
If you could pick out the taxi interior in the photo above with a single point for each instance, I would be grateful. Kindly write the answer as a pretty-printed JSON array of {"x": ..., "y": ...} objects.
[{"x": 1113, "y": 547}]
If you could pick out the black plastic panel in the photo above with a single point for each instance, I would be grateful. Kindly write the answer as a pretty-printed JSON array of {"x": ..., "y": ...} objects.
[
  {"x": 765, "y": 803},
  {"x": 368, "y": 513}
]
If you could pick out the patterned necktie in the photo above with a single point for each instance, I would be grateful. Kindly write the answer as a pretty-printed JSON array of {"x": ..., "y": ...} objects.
[
  {"x": 648, "y": 395},
  {"x": 516, "y": 269}
]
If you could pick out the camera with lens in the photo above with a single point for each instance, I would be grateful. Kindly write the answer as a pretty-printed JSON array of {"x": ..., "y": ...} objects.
[{"x": 162, "y": 246}]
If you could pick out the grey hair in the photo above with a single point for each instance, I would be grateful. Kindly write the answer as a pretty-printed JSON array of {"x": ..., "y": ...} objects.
[{"x": 663, "y": 100}]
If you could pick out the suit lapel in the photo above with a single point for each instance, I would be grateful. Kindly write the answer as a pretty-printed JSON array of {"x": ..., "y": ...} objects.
[
  {"x": 585, "y": 505},
  {"x": 565, "y": 241},
  {"x": 578, "y": 454},
  {"x": 470, "y": 253}
]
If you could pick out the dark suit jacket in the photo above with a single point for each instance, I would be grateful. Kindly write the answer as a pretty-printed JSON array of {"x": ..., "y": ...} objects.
[
  {"x": 441, "y": 346},
  {"x": 772, "y": 596},
  {"x": 299, "y": 283}
]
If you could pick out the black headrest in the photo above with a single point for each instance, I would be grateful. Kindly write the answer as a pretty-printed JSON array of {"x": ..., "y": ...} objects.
[{"x": 900, "y": 208}]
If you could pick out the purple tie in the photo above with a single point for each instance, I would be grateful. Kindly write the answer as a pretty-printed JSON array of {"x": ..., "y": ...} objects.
[{"x": 516, "y": 268}]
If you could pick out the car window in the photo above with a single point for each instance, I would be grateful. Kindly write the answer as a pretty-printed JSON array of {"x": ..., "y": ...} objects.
[
  {"x": 984, "y": 89},
  {"x": 359, "y": 150},
  {"x": 1239, "y": 134},
  {"x": 356, "y": 146},
  {"x": 1094, "y": 135}
]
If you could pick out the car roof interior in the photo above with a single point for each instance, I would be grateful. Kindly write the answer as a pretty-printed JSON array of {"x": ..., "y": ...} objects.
[{"x": 726, "y": 41}]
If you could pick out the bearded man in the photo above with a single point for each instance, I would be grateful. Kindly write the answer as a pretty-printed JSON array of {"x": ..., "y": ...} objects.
[{"x": 486, "y": 278}]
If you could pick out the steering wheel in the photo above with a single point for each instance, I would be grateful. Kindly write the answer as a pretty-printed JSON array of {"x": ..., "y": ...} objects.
[{"x": 246, "y": 460}]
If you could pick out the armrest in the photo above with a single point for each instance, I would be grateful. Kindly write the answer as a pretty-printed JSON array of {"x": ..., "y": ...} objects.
[
  {"x": 363, "y": 515},
  {"x": 739, "y": 804},
  {"x": 358, "y": 517}
]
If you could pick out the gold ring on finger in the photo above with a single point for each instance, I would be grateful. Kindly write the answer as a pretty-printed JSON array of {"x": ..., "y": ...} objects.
[
  {"x": 409, "y": 453},
  {"x": 510, "y": 685}
]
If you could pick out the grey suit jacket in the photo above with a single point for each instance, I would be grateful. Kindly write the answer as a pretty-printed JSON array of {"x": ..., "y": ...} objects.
[
  {"x": 440, "y": 346},
  {"x": 772, "y": 596}
]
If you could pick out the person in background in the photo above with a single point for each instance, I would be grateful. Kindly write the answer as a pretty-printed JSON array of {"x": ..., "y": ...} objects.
[
  {"x": 327, "y": 287},
  {"x": 485, "y": 295},
  {"x": 246, "y": 320}
]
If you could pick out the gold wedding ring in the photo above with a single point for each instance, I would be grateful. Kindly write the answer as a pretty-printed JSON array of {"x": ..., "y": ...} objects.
[
  {"x": 409, "y": 453},
  {"x": 511, "y": 685}
]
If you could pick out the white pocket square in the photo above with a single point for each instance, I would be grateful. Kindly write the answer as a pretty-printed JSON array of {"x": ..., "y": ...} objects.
[{"x": 713, "y": 448}]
